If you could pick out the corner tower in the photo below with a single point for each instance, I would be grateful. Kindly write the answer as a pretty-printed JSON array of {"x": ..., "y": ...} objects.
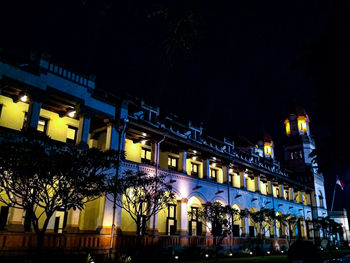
[{"x": 298, "y": 146}]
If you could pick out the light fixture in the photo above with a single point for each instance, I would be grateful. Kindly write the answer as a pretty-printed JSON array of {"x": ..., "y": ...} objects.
[
  {"x": 282, "y": 251},
  {"x": 214, "y": 164},
  {"x": 206, "y": 255},
  {"x": 176, "y": 257},
  {"x": 144, "y": 134},
  {"x": 72, "y": 113},
  {"x": 250, "y": 253},
  {"x": 194, "y": 151},
  {"x": 230, "y": 255},
  {"x": 194, "y": 158},
  {"x": 23, "y": 97},
  {"x": 143, "y": 142},
  {"x": 268, "y": 252},
  {"x": 214, "y": 158},
  {"x": 230, "y": 171}
]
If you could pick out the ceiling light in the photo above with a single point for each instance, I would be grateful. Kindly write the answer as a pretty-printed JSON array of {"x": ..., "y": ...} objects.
[
  {"x": 194, "y": 158},
  {"x": 72, "y": 113},
  {"x": 23, "y": 98},
  {"x": 144, "y": 134},
  {"x": 143, "y": 142}
]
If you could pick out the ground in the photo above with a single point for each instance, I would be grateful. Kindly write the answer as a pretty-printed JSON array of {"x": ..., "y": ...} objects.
[{"x": 267, "y": 259}]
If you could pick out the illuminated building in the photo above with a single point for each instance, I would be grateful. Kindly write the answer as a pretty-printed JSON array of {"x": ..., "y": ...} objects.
[{"x": 68, "y": 108}]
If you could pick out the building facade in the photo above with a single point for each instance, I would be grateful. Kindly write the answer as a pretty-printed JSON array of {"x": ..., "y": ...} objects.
[{"x": 67, "y": 107}]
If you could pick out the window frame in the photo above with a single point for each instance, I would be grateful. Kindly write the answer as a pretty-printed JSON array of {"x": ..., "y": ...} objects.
[
  {"x": 215, "y": 171},
  {"x": 170, "y": 166},
  {"x": 145, "y": 160},
  {"x": 74, "y": 141},
  {"x": 192, "y": 172}
]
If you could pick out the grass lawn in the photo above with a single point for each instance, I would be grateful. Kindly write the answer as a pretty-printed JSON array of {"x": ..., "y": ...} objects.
[{"x": 267, "y": 259}]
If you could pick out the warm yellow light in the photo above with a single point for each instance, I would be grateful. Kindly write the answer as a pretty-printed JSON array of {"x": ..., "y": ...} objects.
[
  {"x": 23, "y": 98},
  {"x": 214, "y": 158},
  {"x": 287, "y": 127},
  {"x": 230, "y": 171},
  {"x": 302, "y": 124},
  {"x": 194, "y": 158},
  {"x": 267, "y": 148},
  {"x": 194, "y": 151},
  {"x": 144, "y": 134},
  {"x": 143, "y": 142},
  {"x": 72, "y": 113},
  {"x": 214, "y": 164}
]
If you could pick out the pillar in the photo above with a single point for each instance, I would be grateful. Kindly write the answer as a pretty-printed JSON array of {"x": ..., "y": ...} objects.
[
  {"x": 281, "y": 190},
  {"x": 183, "y": 161},
  {"x": 107, "y": 219},
  {"x": 269, "y": 187},
  {"x": 33, "y": 115},
  {"x": 243, "y": 180},
  {"x": 246, "y": 225},
  {"x": 111, "y": 138},
  {"x": 301, "y": 197},
  {"x": 226, "y": 175},
  {"x": 153, "y": 224},
  {"x": 154, "y": 151},
  {"x": 72, "y": 221},
  {"x": 206, "y": 170},
  {"x": 257, "y": 183},
  {"x": 184, "y": 217},
  {"x": 15, "y": 220},
  {"x": 84, "y": 130},
  {"x": 291, "y": 194}
]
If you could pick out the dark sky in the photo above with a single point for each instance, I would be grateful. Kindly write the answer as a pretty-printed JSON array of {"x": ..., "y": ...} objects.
[{"x": 238, "y": 76}]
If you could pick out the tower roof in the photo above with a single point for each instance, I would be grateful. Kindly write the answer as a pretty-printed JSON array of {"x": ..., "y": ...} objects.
[{"x": 296, "y": 109}]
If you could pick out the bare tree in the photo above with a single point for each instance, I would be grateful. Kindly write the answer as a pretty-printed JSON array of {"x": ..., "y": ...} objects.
[
  {"x": 141, "y": 196},
  {"x": 263, "y": 220},
  {"x": 41, "y": 177}
]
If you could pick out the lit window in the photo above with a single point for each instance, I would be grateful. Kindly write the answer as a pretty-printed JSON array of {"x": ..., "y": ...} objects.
[
  {"x": 267, "y": 148},
  {"x": 194, "y": 169},
  {"x": 172, "y": 163},
  {"x": 287, "y": 127},
  {"x": 42, "y": 125},
  {"x": 302, "y": 124},
  {"x": 145, "y": 156},
  {"x": 213, "y": 174},
  {"x": 277, "y": 192},
  {"x": 72, "y": 134},
  {"x": 171, "y": 219}
]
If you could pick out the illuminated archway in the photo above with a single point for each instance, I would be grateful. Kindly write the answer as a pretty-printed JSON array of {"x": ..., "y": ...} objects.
[
  {"x": 253, "y": 226},
  {"x": 238, "y": 222},
  {"x": 195, "y": 226}
]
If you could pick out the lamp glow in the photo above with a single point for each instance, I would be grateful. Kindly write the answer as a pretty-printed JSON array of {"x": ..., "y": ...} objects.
[
  {"x": 230, "y": 171},
  {"x": 194, "y": 158},
  {"x": 72, "y": 113},
  {"x": 143, "y": 142},
  {"x": 23, "y": 98}
]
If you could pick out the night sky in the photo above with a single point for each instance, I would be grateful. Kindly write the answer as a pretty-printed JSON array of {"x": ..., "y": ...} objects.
[{"x": 234, "y": 66}]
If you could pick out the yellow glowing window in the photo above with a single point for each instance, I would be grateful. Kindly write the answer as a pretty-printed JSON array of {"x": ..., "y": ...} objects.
[
  {"x": 72, "y": 134},
  {"x": 194, "y": 169},
  {"x": 172, "y": 162},
  {"x": 146, "y": 154},
  {"x": 287, "y": 127},
  {"x": 267, "y": 148},
  {"x": 302, "y": 125},
  {"x": 42, "y": 125}
]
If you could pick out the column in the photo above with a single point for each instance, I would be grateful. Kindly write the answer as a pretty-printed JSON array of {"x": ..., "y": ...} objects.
[
  {"x": 107, "y": 220},
  {"x": 206, "y": 170},
  {"x": 291, "y": 194},
  {"x": 153, "y": 224},
  {"x": 257, "y": 183},
  {"x": 154, "y": 150},
  {"x": 33, "y": 115},
  {"x": 269, "y": 187},
  {"x": 246, "y": 225},
  {"x": 72, "y": 221},
  {"x": 301, "y": 197},
  {"x": 184, "y": 217},
  {"x": 226, "y": 175},
  {"x": 281, "y": 190},
  {"x": 84, "y": 130},
  {"x": 15, "y": 220},
  {"x": 183, "y": 161},
  {"x": 111, "y": 137},
  {"x": 243, "y": 180}
]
